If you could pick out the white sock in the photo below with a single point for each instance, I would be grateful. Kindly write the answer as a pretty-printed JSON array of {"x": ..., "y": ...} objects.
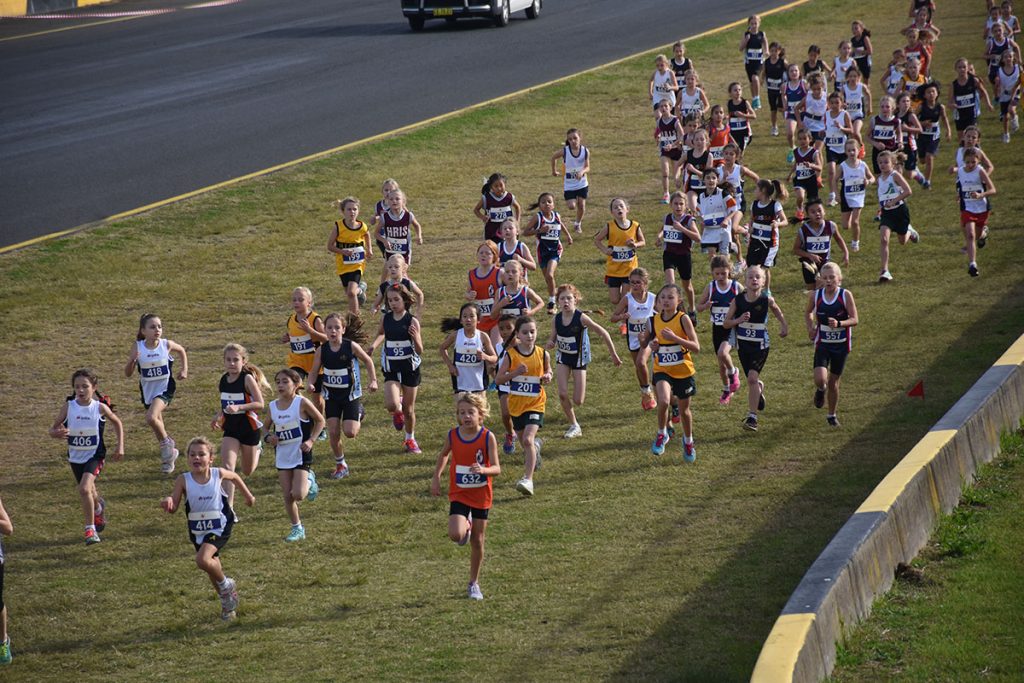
[{"x": 90, "y": 526}]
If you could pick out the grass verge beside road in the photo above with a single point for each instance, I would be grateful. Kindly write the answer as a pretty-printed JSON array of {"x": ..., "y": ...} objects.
[{"x": 623, "y": 566}]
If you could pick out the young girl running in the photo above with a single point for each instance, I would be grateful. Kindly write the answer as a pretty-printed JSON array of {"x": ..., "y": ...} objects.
[
  {"x": 752, "y": 45},
  {"x": 496, "y": 206},
  {"x": 680, "y": 63},
  {"x": 526, "y": 368},
  {"x": 812, "y": 109},
  {"x": 398, "y": 274},
  {"x": 547, "y": 225},
  {"x": 692, "y": 100},
  {"x": 805, "y": 173},
  {"x": 766, "y": 218},
  {"x": 974, "y": 187},
  {"x": 748, "y": 313},
  {"x": 884, "y": 131},
  {"x": 484, "y": 282},
  {"x": 740, "y": 116},
  {"x": 860, "y": 41},
  {"x": 473, "y": 348},
  {"x": 929, "y": 115},
  {"x": 341, "y": 360},
  {"x": 663, "y": 85},
  {"x": 1007, "y": 89},
  {"x": 395, "y": 230},
  {"x": 775, "y": 68},
  {"x": 733, "y": 173},
  {"x": 576, "y": 163},
  {"x": 994, "y": 49},
  {"x": 857, "y": 96},
  {"x": 814, "y": 65},
  {"x": 241, "y": 398},
  {"x": 672, "y": 340},
  {"x": 716, "y": 210},
  {"x": 209, "y": 515},
  {"x": 972, "y": 140},
  {"x": 81, "y": 422},
  {"x": 718, "y": 296},
  {"x": 893, "y": 191},
  {"x": 838, "y": 127},
  {"x": 569, "y": 335},
  {"x": 152, "y": 356},
  {"x": 474, "y": 455},
  {"x": 293, "y": 425},
  {"x": 830, "y": 315},
  {"x": 718, "y": 134},
  {"x": 668, "y": 133},
  {"x": 910, "y": 128},
  {"x": 813, "y": 243},
  {"x": 843, "y": 62},
  {"x": 387, "y": 187},
  {"x": 794, "y": 92},
  {"x": 305, "y": 334},
  {"x": 350, "y": 244},
  {"x": 623, "y": 236},
  {"x": 400, "y": 349},
  {"x": 853, "y": 178},
  {"x": 515, "y": 297},
  {"x": 512, "y": 249},
  {"x": 963, "y": 97},
  {"x": 891, "y": 79},
  {"x": 698, "y": 160},
  {"x": 678, "y": 234},
  {"x": 635, "y": 309}
]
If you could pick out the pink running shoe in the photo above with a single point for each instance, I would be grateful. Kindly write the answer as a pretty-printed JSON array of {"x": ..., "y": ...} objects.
[
  {"x": 398, "y": 420},
  {"x": 411, "y": 446},
  {"x": 734, "y": 383},
  {"x": 724, "y": 399}
]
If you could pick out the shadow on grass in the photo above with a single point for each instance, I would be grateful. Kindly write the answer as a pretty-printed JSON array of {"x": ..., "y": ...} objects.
[{"x": 717, "y": 633}]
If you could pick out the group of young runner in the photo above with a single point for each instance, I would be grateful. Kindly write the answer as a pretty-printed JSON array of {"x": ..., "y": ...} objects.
[{"x": 499, "y": 342}]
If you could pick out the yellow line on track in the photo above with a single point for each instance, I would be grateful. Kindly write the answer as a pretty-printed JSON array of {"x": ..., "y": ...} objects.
[
  {"x": 73, "y": 28},
  {"x": 372, "y": 138}
]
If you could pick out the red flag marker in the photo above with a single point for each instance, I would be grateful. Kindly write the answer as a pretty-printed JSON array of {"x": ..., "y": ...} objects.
[{"x": 918, "y": 389}]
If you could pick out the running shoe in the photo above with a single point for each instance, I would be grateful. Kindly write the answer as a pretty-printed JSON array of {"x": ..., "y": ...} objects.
[
  {"x": 622, "y": 329},
  {"x": 927, "y": 184},
  {"x": 469, "y": 532},
  {"x": 5, "y": 651},
  {"x": 361, "y": 295},
  {"x": 98, "y": 518},
  {"x": 1006, "y": 137},
  {"x": 573, "y": 432},
  {"x": 819, "y": 398},
  {"x": 229, "y": 595},
  {"x": 832, "y": 199},
  {"x": 724, "y": 399},
  {"x": 168, "y": 456},
  {"x": 578, "y": 226},
  {"x": 832, "y": 421},
  {"x": 756, "y": 104},
  {"x": 750, "y": 423},
  {"x": 983, "y": 240},
  {"x": 775, "y": 131},
  {"x": 525, "y": 486},
  {"x": 972, "y": 270},
  {"x": 664, "y": 198},
  {"x": 297, "y": 533},
  {"x": 537, "y": 444},
  {"x": 362, "y": 412},
  {"x": 658, "y": 447},
  {"x": 412, "y": 447},
  {"x": 760, "y": 399},
  {"x": 340, "y": 471},
  {"x": 509, "y": 447},
  {"x": 322, "y": 436},
  {"x": 854, "y": 245},
  {"x": 647, "y": 400},
  {"x": 474, "y": 592},
  {"x": 551, "y": 307},
  {"x": 91, "y": 537},
  {"x": 689, "y": 451},
  {"x": 1014, "y": 124},
  {"x": 671, "y": 432},
  {"x": 915, "y": 236},
  {"x": 886, "y": 276},
  {"x": 675, "y": 415},
  {"x": 398, "y": 420},
  {"x": 734, "y": 381},
  {"x": 314, "y": 488},
  {"x": 692, "y": 315},
  {"x": 790, "y": 157}
]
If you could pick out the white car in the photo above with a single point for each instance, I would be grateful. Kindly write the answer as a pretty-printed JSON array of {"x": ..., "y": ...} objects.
[{"x": 418, "y": 11}]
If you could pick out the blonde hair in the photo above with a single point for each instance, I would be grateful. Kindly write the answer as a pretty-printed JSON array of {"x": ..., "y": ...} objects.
[
  {"x": 342, "y": 203},
  {"x": 247, "y": 367},
  {"x": 477, "y": 400},
  {"x": 832, "y": 266},
  {"x": 201, "y": 441},
  {"x": 306, "y": 292}
]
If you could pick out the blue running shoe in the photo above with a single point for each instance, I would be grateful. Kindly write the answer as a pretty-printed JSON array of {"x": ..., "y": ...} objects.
[
  {"x": 314, "y": 488},
  {"x": 658, "y": 447}
]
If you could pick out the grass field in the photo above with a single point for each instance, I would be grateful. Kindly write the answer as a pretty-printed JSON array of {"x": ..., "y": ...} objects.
[
  {"x": 622, "y": 566},
  {"x": 959, "y": 619}
]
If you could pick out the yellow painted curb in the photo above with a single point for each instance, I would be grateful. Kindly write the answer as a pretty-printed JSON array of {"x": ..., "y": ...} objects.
[
  {"x": 890, "y": 488},
  {"x": 778, "y": 658}
]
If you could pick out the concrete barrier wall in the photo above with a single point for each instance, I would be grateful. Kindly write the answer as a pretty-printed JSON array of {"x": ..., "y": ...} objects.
[
  {"x": 21, "y": 8},
  {"x": 891, "y": 526}
]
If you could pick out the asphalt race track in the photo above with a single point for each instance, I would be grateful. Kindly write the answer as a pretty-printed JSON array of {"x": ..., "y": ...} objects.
[{"x": 106, "y": 118}]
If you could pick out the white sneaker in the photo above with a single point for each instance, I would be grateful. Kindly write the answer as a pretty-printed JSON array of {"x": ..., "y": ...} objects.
[
  {"x": 229, "y": 595},
  {"x": 1014, "y": 124},
  {"x": 854, "y": 245},
  {"x": 832, "y": 199},
  {"x": 525, "y": 486},
  {"x": 573, "y": 432},
  {"x": 537, "y": 443},
  {"x": 168, "y": 456},
  {"x": 474, "y": 592},
  {"x": 915, "y": 236},
  {"x": 775, "y": 131},
  {"x": 886, "y": 276}
]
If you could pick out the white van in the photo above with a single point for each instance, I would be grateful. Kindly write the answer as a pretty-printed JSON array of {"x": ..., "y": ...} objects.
[{"x": 418, "y": 11}]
